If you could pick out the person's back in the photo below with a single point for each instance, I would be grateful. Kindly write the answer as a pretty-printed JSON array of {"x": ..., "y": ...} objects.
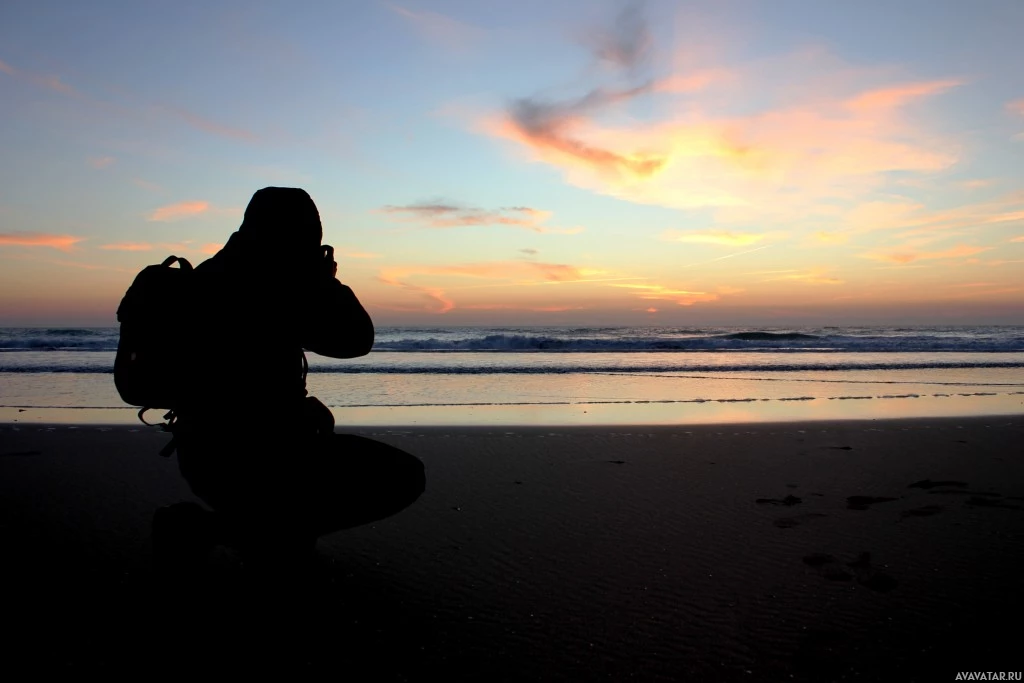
[{"x": 266, "y": 296}]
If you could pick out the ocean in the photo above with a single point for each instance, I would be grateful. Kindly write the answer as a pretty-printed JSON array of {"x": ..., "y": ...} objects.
[{"x": 588, "y": 375}]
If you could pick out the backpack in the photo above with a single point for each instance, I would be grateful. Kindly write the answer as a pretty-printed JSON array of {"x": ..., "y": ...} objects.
[{"x": 152, "y": 350}]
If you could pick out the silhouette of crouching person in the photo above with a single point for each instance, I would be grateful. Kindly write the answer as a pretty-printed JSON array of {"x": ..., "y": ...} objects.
[{"x": 251, "y": 443}]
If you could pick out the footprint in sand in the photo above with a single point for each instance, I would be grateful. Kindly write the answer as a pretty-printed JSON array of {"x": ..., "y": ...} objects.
[
  {"x": 787, "y": 501},
  {"x": 790, "y": 522},
  {"x": 928, "y": 484},
  {"x": 926, "y": 511},
  {"x": 978, "y": 501},
  {"x": 828, "y": 567},
  {"x": 864, "y": 502},
  {"x": 868, "y": 577}
]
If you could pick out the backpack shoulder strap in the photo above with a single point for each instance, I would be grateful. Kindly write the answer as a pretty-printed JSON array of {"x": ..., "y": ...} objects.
[{"x": 182, "y": 262}]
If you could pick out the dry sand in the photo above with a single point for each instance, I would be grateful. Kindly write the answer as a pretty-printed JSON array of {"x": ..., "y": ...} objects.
[{"x": 878, "y": 550}]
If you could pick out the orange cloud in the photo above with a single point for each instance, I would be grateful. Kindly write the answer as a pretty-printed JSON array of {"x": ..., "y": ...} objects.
[
  {"x": 811, "y": 155},
  {"x": 39, "y": 239},
  {"x": 907, "y": 256},
  {"x": 720, "y": 237},
  {"x": 446, "y": 215},
  {"x": 810, "y": 277},
  {"x": 173, "y": 212},
  {"x": 128, "y": 246},
  {"x": 497, "y": 270},
  {"x": 435, "y": 299},
  {"x": 831, "y": 237},
  {"x": 692, "y": 82},
  {"x": 1016, "y": 107},
  {"x": 900, "y": 95},
  {"x": 169, "y": 247},
  {"x": 661, "y": 293},
  {"x": 1018, "y": 239},
  {"x": 512, "y": 307}
]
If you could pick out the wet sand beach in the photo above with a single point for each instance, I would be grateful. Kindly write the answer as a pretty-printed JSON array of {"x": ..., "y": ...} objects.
[{"x": 847, "y": 550}]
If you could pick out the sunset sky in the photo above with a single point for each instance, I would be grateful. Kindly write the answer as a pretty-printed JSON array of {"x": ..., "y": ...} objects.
[{"x": 812, "y": 162}]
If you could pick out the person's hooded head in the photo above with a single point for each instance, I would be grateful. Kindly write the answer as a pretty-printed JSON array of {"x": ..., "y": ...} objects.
[{"x": 283, "y": 219}]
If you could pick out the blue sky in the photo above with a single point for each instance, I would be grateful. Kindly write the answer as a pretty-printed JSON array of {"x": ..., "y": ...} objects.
[{"x": 529, "y": 162}]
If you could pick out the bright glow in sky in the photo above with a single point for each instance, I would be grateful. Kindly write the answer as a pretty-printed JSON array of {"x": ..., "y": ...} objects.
[{"x": 531, "y": 162}]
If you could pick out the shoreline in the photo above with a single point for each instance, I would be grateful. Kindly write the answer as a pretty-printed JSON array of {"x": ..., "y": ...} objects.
[
  {"x": 653, "y": 412},
  {"x": 858, "y": 550}
]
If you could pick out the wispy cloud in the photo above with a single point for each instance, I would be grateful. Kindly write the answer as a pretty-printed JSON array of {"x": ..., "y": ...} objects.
[
  {"x": 1019, "y": 238},
  {"x": 186, "y": 246},
  {"x": 100, "y": 163},
  {"x": 434, "y": 299},
  {"x": 137, "y": 110},
  {"x": 206, "y": 125},
  {"x": 681, "y": 297},
  {"x": 178, "y": 211},
  {"x": 441, "y": 214},
  {"x": 39, "y": 239},
  {"x": 1017, "y": 106},
  {"x": 443, "y": 31},
  {"x": 147, "y": 185},
  {"x": 719, "y": 237},
  {"x": 513, "y": 307},
  {"x": 814, "y": 276},
  {"x": 44, "y": 81},
  {"x": 824, "y": 146},
  {"x": 627, "y": 42},
  {"x": 129, "y": 246},
  {"x": 909, "y": 256}
]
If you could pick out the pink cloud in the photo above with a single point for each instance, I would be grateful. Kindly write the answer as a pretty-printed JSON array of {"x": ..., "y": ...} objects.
[
  {"x": 100, "y": 163},
  {"x": 147, "y": 185},
  {"x": 1017, "y": 106},
  {"x": 909, "y": 256},
  {"x": 897, "y": 96},
  {"x": 828, "y": 142},
  {"x": 39, "y": 239},
  {"x": 441, "y": 214},
  {"x": 45, "y": 81},
  {"x": 173, "y": 212},
  {"x": 443, "y": 31},
  {"x": 208, "y": 126},
  {"x": 128, "y": 246}
]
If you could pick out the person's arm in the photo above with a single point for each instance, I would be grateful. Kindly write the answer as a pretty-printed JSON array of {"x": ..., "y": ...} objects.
[{"x": 335, "y": 323}]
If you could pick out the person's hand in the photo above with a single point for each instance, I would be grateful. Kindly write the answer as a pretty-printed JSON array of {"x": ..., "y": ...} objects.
[{"x": 330, "y": 265}]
